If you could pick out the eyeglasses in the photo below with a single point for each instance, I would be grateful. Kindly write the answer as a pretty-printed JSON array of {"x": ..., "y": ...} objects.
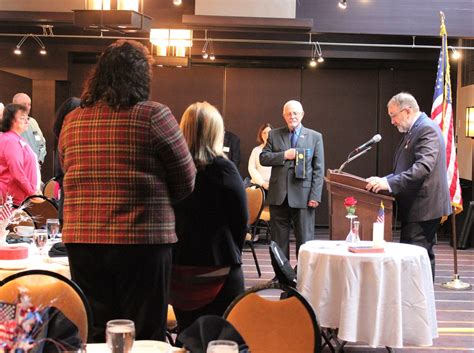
[{"x": 393, "y": 115}]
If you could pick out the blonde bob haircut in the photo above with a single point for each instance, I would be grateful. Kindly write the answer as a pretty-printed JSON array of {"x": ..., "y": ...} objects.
[{"x": 203, "y": 130}]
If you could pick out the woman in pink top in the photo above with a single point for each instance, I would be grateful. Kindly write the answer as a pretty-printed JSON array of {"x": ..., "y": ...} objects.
[{"x": 19, "y": 176}]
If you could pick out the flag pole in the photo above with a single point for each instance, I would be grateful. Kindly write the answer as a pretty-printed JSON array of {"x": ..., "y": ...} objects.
[{"x": 456, "y": 283}]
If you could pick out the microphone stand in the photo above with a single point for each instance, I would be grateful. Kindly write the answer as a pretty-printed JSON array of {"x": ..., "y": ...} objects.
[{"x": 350, "y": 159}]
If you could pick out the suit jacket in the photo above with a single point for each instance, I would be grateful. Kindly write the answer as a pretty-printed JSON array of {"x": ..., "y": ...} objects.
[
  {"x": 282, "y": 179},
  {"x": 232, "y": 147},
  {"x": 122, "y": 170},
  {"x": 419, "y": 181},
  {"x": 211, "y": 223}
]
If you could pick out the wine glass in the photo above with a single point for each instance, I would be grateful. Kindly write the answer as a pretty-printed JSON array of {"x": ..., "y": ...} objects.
[
  {"x": 120, "y": 335},
  {"x": 222, "y": 346},
  {"x": 52, "y": 226},
  {"x": 40, "y": 237}
]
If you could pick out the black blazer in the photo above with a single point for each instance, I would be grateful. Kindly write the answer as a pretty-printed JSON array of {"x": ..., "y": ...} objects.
[{"x": 211, "y": 223}]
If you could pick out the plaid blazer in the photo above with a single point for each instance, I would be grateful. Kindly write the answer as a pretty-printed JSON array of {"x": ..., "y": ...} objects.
[{"x": 122, "y": 171}]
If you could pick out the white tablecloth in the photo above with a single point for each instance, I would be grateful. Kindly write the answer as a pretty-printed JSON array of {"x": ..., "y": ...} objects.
[
  {"x": 38, "y": 262},
  {"x": 384, "y": 299}
]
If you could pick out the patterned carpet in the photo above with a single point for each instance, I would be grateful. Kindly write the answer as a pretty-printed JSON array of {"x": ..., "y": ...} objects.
[{"x": 454, "y": 309}]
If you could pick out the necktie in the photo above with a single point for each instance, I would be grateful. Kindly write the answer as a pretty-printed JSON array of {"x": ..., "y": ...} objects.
[{"x": 293, "y": 138}]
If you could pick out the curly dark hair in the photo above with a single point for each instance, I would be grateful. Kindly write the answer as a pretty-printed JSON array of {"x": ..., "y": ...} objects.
[
  {"x": 9, "y": 115},
  {"x": 122, "y": 76},
  {"x": 68, "y": 106}
]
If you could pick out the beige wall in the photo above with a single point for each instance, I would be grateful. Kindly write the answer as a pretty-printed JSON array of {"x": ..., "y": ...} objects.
[{"x": 465, "y": 98}]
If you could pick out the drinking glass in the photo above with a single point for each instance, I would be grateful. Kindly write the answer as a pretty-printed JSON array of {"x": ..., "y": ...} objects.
[
  {"x": 52, "y": 226},
  {"x": 120, "y": 335},
  {"x": 222, "y": 346},
  {"x": 40, "y": 236}
]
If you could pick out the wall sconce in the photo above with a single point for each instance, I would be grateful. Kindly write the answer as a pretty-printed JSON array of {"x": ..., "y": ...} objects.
[
  {"x": 171, "y": 47},
  {"x": 470, "y": 122},
  {"x": 117, "y": 15},
  {"x": 342, "y": 4}
]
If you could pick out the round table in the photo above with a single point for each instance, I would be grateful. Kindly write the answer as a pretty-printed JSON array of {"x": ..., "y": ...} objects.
[{"x": 382, "y": 299}]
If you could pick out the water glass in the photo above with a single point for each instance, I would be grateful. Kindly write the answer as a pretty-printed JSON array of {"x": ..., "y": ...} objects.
[
  {"x": 40, "y": 237},
  {"x": 120, "y": 335},
  {"x": 222, "y": 346},
  {"x": 52, "y": 226}
]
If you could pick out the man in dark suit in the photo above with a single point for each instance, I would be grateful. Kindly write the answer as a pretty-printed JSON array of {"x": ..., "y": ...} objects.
[
  {"x": 296, "y": 155},
  {"x": 419, "y": 181},
  {"x": 232, "y": 147}
]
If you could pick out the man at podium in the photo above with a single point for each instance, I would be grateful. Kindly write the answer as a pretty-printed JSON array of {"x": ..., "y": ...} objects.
[
  {"x": 419, "y": 182},
  {"x": 296, "y": 155}
]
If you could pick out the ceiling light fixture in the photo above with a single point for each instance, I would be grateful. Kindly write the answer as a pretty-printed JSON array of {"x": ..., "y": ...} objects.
[
  {"x": 42, "y": 51},
  {"x": 342, "y": 4},
  {"x": 456, "y": 55},
  {"x": 318, "y": 50},
  {"x": 205, "y": 55},
  {"x": 211, "y": 49},
  {"x": 177, "y": 2},
  {"x": 313, "y": 62}
]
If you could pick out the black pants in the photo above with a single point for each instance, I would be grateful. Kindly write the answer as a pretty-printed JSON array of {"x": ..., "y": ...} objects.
[
  {"x": 281, "y": 218},
  {"x": 421, "y": 234},
  {"x": 124, "y": 282},
  {"x": 233, "y": 287}
]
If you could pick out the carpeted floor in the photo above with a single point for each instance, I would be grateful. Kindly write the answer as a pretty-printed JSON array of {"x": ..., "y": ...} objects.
[{"x": 454, "y": 309}]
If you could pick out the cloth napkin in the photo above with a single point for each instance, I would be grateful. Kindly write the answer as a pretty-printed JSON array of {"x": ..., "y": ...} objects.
[
  {"x": 209, "y": 328},
  {"x": 58, "y": 250}
]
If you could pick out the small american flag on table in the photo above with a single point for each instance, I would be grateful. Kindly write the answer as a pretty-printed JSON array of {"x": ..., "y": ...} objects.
[{"x": 381, "y": 214}]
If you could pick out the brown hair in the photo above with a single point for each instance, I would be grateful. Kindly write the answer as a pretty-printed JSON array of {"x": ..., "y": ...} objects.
[{"x": 260, "y": 130}]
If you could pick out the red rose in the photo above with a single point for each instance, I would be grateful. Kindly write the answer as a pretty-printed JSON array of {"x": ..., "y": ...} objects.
[{"x": 350, "y": 202}]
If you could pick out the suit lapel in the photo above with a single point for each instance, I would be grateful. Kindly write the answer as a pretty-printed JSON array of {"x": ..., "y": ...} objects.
[
  {"x": 285, "y": 139},
  {"x": 405, "y": 141}
]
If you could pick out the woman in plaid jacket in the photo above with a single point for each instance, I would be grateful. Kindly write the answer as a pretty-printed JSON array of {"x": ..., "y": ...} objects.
[{"x": 125, "y": 161}]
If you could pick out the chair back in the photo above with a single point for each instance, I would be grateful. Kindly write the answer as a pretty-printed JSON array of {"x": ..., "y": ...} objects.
[
  {"x": 281, "y": 266},
  {"x": 47, "y": 288},
  {"x": 50, "y": 188},
  {"x": 285, "y": 325},
  {"x": 255, "y": 200},
  {"x": 40, "y": 208}
]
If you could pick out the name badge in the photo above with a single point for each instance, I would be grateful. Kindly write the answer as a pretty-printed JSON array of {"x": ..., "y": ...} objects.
[{"x": 226, "y": 149}]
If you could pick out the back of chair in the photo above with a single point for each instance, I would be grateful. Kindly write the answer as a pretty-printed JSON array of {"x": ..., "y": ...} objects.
[
  {"x": 40, "y": 208},
  {"x": 285, "y": 325},
  {"x": 51, "y": 289},
  {"x": 281, "y": 266},
  {"x": 255, "y": 200},
  {"x": 50, "y": 188}
]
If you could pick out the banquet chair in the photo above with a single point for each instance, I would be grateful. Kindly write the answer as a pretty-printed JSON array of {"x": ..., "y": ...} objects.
[
  {"x": 264, "y": 222},
  {"x": 284, "y": 273},
  {"x": 40, "y": 208},
  {"x": 49, "y": 188},
  {"x": 255, "y": 200},
  {"x": 47, "y": 288},
  {"x": 280, "y": 324}
]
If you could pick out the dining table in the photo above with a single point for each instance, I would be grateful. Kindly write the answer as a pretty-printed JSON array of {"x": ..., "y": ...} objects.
[{"x": 380, "y": 299}]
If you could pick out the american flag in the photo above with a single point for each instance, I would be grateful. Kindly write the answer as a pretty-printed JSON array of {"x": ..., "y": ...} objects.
[
  {"x": 381, "y": 214},
  {"x": 442, "y": 114},
  {"x": 6, "y": 210},
  {"x": 7, "y": 324}
]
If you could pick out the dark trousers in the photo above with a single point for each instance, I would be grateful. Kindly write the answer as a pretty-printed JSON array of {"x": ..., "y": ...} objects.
[
  {"x": 233, "y": 287},
  {"x": 124, "y": 282},
  {"x": 421, "y": 234},
  {"x": 281, "y": 218}
]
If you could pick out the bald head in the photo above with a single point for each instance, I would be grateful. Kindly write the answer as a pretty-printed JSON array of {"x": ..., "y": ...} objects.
[
  {"x": 293, "y": 114},
  {"x": 23, "y": 99}
]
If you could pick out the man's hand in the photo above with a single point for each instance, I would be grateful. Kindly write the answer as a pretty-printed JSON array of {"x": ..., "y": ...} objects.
[
  {"x": 313, "y": 203},
  {"x": 376, "y": 184},
  {"x": 290, "y": 154},
  {"x": 265, "y": 186}
]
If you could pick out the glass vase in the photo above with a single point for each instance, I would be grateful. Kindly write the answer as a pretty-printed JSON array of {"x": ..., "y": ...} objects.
[{"x": 353, "y": 236}]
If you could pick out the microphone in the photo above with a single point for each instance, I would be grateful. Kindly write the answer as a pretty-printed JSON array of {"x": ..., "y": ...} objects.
[{"x": 372, "y": 141}]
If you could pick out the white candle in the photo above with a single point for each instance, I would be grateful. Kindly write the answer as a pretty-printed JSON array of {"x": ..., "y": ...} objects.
[{"x": 377, "y": 235}]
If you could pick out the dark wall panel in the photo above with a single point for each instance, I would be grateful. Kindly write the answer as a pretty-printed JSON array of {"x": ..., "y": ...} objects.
[
  {"x": 77, "y": 75},
  {"x": 342, "y": 105},
  {"x": 421, "y": 85},
  {"x": 256, "y": 96},
  {"x": 11, "y": 85},
  {"x": 178, "y": 88}
]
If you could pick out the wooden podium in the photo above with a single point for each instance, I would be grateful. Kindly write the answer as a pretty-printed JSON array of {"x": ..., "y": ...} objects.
[{"x": 341, "y": 185}]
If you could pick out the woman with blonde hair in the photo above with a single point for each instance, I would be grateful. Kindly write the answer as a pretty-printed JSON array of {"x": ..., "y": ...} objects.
[{"x": 210, "y": 223}]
